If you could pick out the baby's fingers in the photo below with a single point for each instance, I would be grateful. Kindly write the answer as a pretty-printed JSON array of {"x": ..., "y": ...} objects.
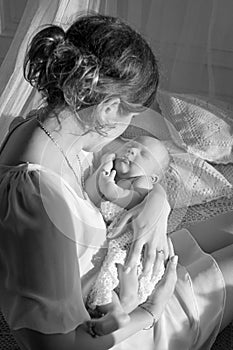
[
  {"x": 112, "y": 175},
  {"x": 108, "y": 157},
  {"x": 107, "y": 167}
]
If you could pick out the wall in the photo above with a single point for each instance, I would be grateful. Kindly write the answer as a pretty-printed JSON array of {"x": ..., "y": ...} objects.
[
  {"x": 11, "y": 12},
  {"x": 193, "y": 40}
]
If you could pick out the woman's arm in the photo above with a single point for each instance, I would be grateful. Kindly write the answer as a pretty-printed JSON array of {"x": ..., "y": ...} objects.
[
  {"x": 149, "y": 221},
  {"x": 80, "y": 338}
]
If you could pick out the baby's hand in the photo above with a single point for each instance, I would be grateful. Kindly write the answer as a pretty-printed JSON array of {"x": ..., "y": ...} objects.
[
  {"x": 106, "y": 178},
  {"x": 107, "y": 185},
  {"x": 107, "y": 158}
]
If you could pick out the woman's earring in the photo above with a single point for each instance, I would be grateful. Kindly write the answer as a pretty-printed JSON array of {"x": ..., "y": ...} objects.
[{"x": 154, "y": 179}]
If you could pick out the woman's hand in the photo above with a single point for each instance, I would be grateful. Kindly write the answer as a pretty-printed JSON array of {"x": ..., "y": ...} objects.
[
  {"x": 115, "y": 314},
  {"x": 149, "y": 222},
  {"x": 128, "y": 283},
  {"x": 113, "y": 317},
  {"x": 163, "y": 291}
]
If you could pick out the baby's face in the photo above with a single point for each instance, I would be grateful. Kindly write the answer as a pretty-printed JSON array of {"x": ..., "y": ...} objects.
[{"x": 139, "y": 157}]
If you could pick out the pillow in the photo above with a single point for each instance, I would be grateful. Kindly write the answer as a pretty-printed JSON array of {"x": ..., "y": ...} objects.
[
  {"x": 199, "y": 127},
  {"x": 191, "y": 180}
]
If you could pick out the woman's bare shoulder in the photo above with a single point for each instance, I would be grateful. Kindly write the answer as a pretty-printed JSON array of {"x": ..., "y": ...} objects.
[{"x": 22, "y": 143}]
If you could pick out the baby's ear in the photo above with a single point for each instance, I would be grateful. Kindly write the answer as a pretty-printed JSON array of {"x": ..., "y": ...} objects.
[{"x": 154, "y": 179}]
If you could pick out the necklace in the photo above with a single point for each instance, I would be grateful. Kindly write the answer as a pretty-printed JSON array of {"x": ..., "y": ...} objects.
[{"x": 67, "y": 160}]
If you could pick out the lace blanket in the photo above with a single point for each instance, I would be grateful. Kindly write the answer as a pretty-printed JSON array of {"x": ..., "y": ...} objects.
[
  {"x": 194, "y": 201},
  {"x": 107, "y": 278}
]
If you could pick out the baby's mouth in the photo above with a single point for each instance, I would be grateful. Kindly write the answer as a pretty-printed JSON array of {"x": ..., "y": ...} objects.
[
  {"x": 121, "y": 165},
  {"x": 124, "y": 159}
]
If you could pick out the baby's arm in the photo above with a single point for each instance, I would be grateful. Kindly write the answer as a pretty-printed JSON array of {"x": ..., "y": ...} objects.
[
  {"x": 101, "y": 184},
  {"x": 126, "y": 193},
  {"x": 91, "y": 188},
  {"x": 92, "y": 182}
]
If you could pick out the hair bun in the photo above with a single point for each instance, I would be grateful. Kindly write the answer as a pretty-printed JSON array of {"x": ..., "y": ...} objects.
[
  {"x": 40, "y": 53},
  {"x": 81, "y": 80},
  {"x": 47, "y": 40}
]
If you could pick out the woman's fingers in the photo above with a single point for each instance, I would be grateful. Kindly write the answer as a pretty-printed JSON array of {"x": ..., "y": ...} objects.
[
  {"x": 170, "y": 247},
  {"x": 169, "y": 278},
  {"x": 128, "y": 288},
  {"x": 128, "y": 281},
  {"x": 164, "y": 289},
  {"x": 107, "y": 324},
  {"x": 158, "y": 244},
  {"x": 113, "y": 318},
  {"x": 159, "y": 260},
  {"x": 134, "y": 255},
  {"x": 150, "y": 258}
]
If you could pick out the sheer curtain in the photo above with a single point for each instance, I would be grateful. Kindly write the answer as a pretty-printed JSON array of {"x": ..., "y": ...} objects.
[
  {"x": 16, "y": 95},
  {"x": 193, "y": 41}
]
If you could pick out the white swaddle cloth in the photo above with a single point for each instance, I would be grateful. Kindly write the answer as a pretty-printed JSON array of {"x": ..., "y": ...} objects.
[{"x": 107, "y": 278}]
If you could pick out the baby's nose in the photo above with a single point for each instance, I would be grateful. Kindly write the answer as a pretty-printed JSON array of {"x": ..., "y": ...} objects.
[{"x": 132, "y": 151}]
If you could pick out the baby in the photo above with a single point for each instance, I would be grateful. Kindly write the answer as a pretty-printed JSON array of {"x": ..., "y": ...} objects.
[
  {"x": 122, "y": 181},
  {"x": 126, "y": 177}
]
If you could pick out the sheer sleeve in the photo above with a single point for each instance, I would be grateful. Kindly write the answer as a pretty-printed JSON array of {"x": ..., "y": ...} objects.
[{"x": 40, "y": 284}]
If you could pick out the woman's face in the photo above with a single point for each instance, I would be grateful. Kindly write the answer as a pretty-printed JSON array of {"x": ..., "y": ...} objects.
[
  {"x": 119, "y": 125},
  {"x": 108, "y": 115}
]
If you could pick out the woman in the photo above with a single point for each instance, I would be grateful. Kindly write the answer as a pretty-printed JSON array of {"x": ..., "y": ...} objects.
[{"x": 46, "y": 220}]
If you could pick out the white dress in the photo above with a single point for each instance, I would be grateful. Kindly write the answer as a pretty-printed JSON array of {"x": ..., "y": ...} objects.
[{"x": 48, "y": 236}]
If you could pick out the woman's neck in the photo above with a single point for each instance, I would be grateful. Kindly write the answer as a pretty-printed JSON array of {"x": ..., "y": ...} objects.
[{"x": 69, "y": 132}]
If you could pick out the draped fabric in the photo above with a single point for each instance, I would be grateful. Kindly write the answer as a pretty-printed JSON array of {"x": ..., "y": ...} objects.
[
  {"x": 192, "y": 40},
  {"x": 17, "y": 96}
]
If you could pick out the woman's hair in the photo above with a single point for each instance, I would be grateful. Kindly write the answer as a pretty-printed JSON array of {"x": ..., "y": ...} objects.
[{"x": 97, "y": 58}]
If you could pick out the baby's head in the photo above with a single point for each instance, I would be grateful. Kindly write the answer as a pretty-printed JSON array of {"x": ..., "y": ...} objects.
[{"x": 142, "y": 156}]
